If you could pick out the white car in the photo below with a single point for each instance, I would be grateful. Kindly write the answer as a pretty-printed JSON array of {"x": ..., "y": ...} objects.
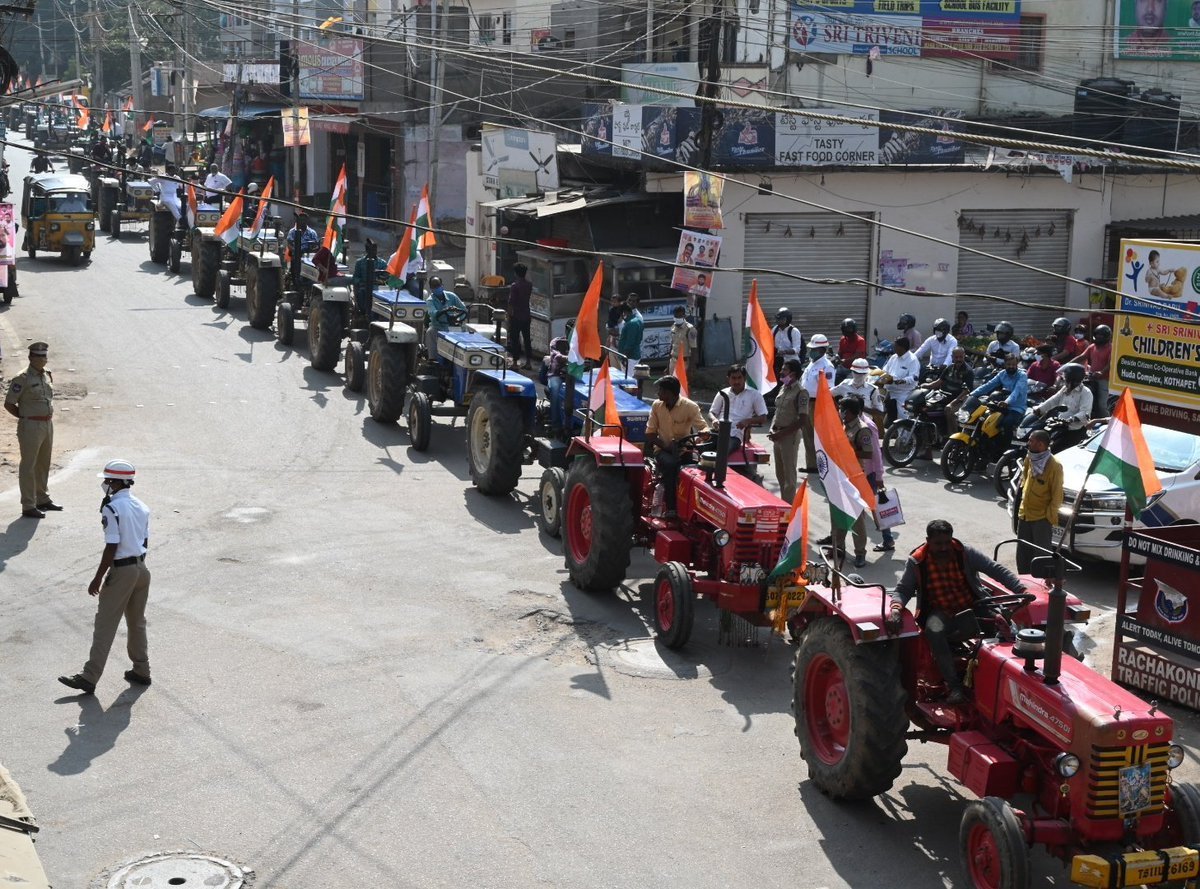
[{"x": 1097, "y": 531}]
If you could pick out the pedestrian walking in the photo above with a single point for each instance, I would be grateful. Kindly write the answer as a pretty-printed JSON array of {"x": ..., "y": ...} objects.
[
  {"x": 518, "y": 316},
  {"x": 122, "y": 581},
  {"x": 791, "y": 412},
  {"x": 1041, "y": 497},
  {"x": 31, "y": 400}
]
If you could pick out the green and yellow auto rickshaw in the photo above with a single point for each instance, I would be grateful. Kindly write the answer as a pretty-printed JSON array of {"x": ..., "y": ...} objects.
[{"x": 57, "y": 213}]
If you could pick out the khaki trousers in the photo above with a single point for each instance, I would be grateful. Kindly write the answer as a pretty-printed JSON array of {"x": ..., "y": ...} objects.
[
  {"x": 786, "y": 451},
  {"x": 860, "y": 538},
  {"x": 36, "y": 438},
  {"x": 124, "y": 593}
]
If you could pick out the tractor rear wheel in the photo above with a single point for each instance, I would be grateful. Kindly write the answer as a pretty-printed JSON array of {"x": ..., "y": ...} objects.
[
  {"x": 550, "y": 501},
  {"x": 161, "y": 226},
  {"x": 956, "y": 460},
  {"x": 285, "y": 324},
  {"x": 354, "y": 366},
  {"x": 900, "y": 442},
  {"x": 261, "y": 308},
  {"x": 849, "y": 709},
  {"x": 674, "y": 605},
  {"x": 993, "y": 846},
  {"x": 420, "y": 420},
  {"x": 599, "y": 525},
  {"x": 387, "y": 379},
  {"x": 495, "y": 436},
  {"x": 324, "y": 334}
]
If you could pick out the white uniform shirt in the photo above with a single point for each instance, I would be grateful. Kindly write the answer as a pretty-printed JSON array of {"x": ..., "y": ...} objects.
[
  {"x": 168, "y": 192},
  {"x": 996, "y": 350},
  {"x": 788, "y": 341},
  {"x": 745, "y": 405},
  {"x": 905, "y": 370},
  {"x": 938, "y": 350},
  {"x": 813, "y": 373},
  {"x": 216, "y": 182},
  {"x": 868, "y": 392},
  {"x": 126, "y": 522}
]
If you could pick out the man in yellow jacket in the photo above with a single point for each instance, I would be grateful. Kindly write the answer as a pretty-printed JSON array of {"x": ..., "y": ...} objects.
[{"x": 1041, "y": 496}]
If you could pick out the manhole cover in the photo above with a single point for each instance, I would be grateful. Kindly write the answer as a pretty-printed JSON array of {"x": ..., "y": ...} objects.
[
  {"x": 646, "y": 659},
  {"x": 190, "y": 870}
]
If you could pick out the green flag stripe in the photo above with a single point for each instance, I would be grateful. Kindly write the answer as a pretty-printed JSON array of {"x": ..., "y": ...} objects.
[{"x": 1124, "y": 475}]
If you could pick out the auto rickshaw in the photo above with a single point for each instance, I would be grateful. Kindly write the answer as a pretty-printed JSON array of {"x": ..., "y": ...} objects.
[{"x": 57, "y": 213}]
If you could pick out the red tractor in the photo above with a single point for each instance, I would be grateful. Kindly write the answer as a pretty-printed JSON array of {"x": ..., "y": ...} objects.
[
  {"x": 723, "y": 543},
  {"x": 1058, "y": 755}
]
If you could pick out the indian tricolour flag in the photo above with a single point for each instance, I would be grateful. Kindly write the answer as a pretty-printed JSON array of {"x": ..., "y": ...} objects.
[
  {"x": 407, "y": 258},
  {"x": 263, "y": 200},
  {"x": 681, "y": 374},
  {"x": 335, "y": 237},
  {"x": 846, "y": 484},
  {"x": 602, "y": 401},
  {"x": 585, "y": 338},
  {"x": 795, "y": 540},
  {"x": 1124, "y": 458},
  {"x": 107, "y": 126},
  {"x": 193, "y": 208},
  {"x": 230, "y": 225},
  {"x": 759, "y": 344},
  {"x": 425, "y": 221}
]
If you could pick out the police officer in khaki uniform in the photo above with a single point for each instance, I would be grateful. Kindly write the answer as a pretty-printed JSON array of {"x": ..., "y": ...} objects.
[{"x": 30, "y": 399}]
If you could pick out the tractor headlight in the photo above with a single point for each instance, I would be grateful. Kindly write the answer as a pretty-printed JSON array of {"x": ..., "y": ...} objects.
[
  {"x": 475, "y": 360},
  {"x": 1067, "y": 764},
  {"x": 1174, "y": 756},
  {"x": 721, "y": 537},
  {"x": 419, "y": 314}
]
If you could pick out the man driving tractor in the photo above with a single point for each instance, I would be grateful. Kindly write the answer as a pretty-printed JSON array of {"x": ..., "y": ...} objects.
[
  {"x": 943, "y": 574},
  {"x": 672, "y": 419}
]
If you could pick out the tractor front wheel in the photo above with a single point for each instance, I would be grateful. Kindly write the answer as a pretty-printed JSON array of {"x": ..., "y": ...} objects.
[
  {"x": 224, "y": 289},
  {"x": 114, "y": 223},
  {"x": 174, "y": 256},
  {"x": 260, "y": 303},
  {"x": 206, "y": 261},
  {"x": 550, "y": 501},
  {"x": 993, "y": 846},
  {"x": 495, "y": 435},
  {"x": 354, "y": 366},
  {"x": 599, "y": 525},
  {"x": 161, "y": 226},
  {"x": 285, "y": 324},
  {"x": 849, "y": 709},
  {"x": 324, "y": 334},
  {"x": 420, "y": 420},
  {"x": 674, "y": 605}
]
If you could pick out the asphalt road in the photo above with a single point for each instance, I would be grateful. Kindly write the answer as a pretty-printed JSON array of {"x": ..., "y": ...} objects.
[{"x": 366, "y": 673}]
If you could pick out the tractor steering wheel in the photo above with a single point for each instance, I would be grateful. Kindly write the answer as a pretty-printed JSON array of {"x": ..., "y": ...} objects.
[
  {"x": 451, "y": 315},
  {"x": 692, "y": 440},
  {"x": 1007, "y": 604}
]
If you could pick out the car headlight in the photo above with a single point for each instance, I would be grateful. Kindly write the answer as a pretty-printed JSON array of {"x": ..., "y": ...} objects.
[
  {"x": 1116, "y": 504},
  {"x": 721, "y": 537},
  {"x": 1174, "y": 756},
  {"x": 1067, "y": 764}
]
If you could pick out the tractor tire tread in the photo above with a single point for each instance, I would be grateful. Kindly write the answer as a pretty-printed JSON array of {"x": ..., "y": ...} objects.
[
  {"x": 508, "y": 436},
  {"x": 608, "y": 559}
]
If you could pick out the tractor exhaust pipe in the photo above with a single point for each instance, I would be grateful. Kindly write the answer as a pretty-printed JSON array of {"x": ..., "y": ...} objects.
[
  {"x": 1055, "y": 621},
  {"x": 722, "y": 466}
]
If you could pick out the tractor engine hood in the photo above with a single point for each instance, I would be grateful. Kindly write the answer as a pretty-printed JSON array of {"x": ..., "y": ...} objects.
[{"x": 740, "y": 501}]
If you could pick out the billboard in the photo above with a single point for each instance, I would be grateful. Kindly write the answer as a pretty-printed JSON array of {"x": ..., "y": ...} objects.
[
  {"x": 332, "y": 69},
  {"x": 519, "y": 157},
  {"x": 898, "y": 147},
  {"x": 677, "y": 76},
  {"x": 805, "y": 141},
  {"x": 1163, "y": 30}
]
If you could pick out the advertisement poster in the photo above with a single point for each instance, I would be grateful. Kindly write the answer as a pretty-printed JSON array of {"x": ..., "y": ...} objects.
[
  {"x": 1163, "y": 30},
  {"x": 745, "y": 138},
  {"x": 8, "y": 236},
  {"x": 680, "y": 77},
  {"x": 855, "y": 35},
  {"x": 806, "y": 141},
  {"x": 897, "y": 147},
  {"x": 295, "y": 127},
  {"x": 697, "y": 255},
  {"x": 627, "y": 131},
  {"x": 597, "y": 128},
  {"x": 702, "y": 200},
  {"x": 658, "y": 131},
  {"x": 332, "y": 69}
]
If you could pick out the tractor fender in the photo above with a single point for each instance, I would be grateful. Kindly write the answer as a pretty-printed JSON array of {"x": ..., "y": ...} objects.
[
  {"x": 960, "y": 436},
  {"x": 398, "y": 332},
  {"x": 265, "y": 260},
  {"x": 607, "y": 450},
  {"x": 334, "y": 293},
  {"x": 859, "y": 607},
  {"x": 509, "y": 385}
]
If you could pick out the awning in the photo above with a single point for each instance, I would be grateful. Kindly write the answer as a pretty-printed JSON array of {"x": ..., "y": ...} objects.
[
  {"x": 333, "y": 123},
  {"x": 1187, "y": 223},
  {"x": 554, "y": 203},
  {"x": 246, "y": 111}
]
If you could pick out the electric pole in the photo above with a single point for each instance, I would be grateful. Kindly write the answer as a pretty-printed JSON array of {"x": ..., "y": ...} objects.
[
  {"x": 97, "y": 58},
  {"x": 438, "y": 29},
  {"x": 135, "y": 67},
  {"x": 297, "y": 150},
  {"x": 709, "y": 89}
]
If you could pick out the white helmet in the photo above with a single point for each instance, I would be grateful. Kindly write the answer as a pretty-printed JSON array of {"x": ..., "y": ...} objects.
[
  {"x": 818, "y": 341},
  {"x": 121, "y": 470},
  {"x": 860, "y": 366}
]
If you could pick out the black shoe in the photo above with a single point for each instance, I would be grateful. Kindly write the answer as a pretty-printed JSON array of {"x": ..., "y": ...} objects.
[
  {"x": 78, "y": 682},
  {"x": 885, "y": 547},
  {"x": 49, "y": 506},
  {"x": 33, "y": 514},
  {"x": 135, "y": 678}
]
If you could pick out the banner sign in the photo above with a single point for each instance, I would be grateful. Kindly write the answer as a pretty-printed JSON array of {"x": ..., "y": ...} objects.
[
  {"x": 854, "y": 34},
  {"x": 744, "y": 138},
  {"x": 627, "y": 131},
  {"x": 680, "y": 77},
  {"x": 897, "y": 147},
  {"x": 597, "y": 129},
  {"x": 1163, "y": 30},
  {"x": 702, "y": 200},
  {"x": 296, "y": 130},
  {"x": 332, "y": 69},
  {"x": 991, "y": 10},
  {"x": 699, "y": 253},
  {"x": 511, "y": 150},
  {"x": 807, "y": 141}
]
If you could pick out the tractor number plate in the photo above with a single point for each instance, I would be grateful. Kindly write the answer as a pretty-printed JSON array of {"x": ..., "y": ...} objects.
[
  {"x": 1134, "y": 788},
  {"x": 1136, "y": 868}
]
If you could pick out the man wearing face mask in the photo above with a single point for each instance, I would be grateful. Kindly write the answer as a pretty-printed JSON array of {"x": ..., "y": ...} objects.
[
  {"x": 122, "y": 581},
  {"x": 791, "y": 417},
  {"x": 1041, "y": 497},
  {"x": 955, "y": 380},
  {"x": 860, "y": 386},
  {"x": 819, "y": 366},
  {"x": 1013, "y": 381},
  {"x": 683, "y": 340},
  {"x": 936, "y": 350}
]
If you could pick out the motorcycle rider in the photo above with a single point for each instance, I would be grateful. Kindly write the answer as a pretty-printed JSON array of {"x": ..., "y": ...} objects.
[
  {"x": 1066, "y": 347},
  {"x": 938, "y": 347},
  {"x": 1095, "y": 358},
  {"x": 943, "y": 574},
  {"x": 1013, "y": 381},
  {"x": 956, "y": 380},
  {"x": 1045, "y": 369},
  {"x": 788, "y": 338},
  {"x": 1076, "y": 400},
  {"x": 901, "y": 375},
  {"x": 1002, "y": 345},
  {"x": 906, "y": 326},
  {"x": 851, "y": 346}
]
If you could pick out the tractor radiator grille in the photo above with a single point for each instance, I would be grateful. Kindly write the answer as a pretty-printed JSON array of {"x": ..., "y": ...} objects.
[{"x": 1127, "y": 781}]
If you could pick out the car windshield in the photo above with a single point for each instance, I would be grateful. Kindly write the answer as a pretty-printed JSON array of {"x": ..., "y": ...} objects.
[{"x": 1172, "y": 451}]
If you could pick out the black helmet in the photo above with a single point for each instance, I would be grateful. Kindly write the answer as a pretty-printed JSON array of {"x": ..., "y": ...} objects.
[
  {"x": 1061, "y": 327},
  {"x": 435, "y": 282},
  {"x": 1073, "y": 374},
  {"x": 784, "y": 316},
  {"x": 849, "y": 327},
  {"x": 1102, "y": 335},
  {"x": 941, "y": 325},
  {"x": 906, "y": 322},
  {"x": 1004, "y": 331}
]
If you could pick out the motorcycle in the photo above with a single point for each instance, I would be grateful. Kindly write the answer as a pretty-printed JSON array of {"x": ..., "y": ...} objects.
[
  {"x": 884, "y": 349},
  {"x": 1062, "y": 436},
  {"x": 922, "y": 431},
  {"x": 980, "y": 439}
]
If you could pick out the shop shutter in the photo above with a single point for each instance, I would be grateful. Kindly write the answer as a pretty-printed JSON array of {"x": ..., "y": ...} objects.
[
  {"x": 978, "y": 274},
  {"x": 815, "y": 249}
]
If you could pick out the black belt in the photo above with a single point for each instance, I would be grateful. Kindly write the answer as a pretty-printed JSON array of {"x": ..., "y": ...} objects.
[{"x": 128, "y": 560}]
